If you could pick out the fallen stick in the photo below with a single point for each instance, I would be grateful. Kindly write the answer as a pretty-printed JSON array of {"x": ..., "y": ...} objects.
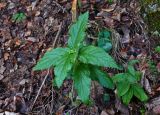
[
  {"x": 40, "y": 89},
  {"x": 57, "y": 35}
]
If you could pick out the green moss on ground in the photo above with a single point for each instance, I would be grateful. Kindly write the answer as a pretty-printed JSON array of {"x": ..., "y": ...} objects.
[{"x": 153, "y": 20}]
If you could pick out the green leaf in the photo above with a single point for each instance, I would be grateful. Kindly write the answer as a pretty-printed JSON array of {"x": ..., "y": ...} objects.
[
  {"x": 131, "y": 79},
  {"x": 50, "y": 58},
  {"x": 96, "y": 56},
  {"x": 104, "y": 40},
  {"x": 119, "y": 77},
  {"x": 18, "y": 17},
  {"x": 157, "y": 49},
  {"x": 131, "y": 70},
  {"x": 77, "y": 31},
  {"x": 138, "y": 75},
  {"x": 122, "y": 88},
  {"x": 102, "y": 77},
  {"x": 127, "y": 96},
  {"x": 132, "y": 62},
  {"x": 139, "y": 92},
  {"x": 82, "y": 82},
  {"x": 62, "y": 68},
  {"x": 79, "y": 4}
]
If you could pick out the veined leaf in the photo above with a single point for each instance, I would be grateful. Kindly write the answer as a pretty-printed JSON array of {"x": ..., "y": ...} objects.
[
  {"x": 96, "y": 56},
  {"x": 127, "y": 96},
  {"x": 131, "y": 70},
  {"x": 50, "y": 58},
  {"x": 62, "y": 68},
  {"x": 122, "y": 88},
  {"x": 104, "y": 40},
  {"x": 139, "y": 92},
  {"x": 77, "y": 31},
  {"x": 138, "y": 75},
  {"x": 157, "y": 49},
  {"x": 131, "y": 79},
  {"x": 102, "y": 77},
  {"x": 119, "y": 77},
  {"x": 82, "y": 82},
  {"x": 132, "y": 62}
]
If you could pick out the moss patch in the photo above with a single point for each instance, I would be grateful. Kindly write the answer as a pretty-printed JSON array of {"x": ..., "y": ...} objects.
[{"x": 153, "y": 20}]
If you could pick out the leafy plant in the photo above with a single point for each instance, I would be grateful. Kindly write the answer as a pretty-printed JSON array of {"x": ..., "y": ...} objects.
[
  {"x": 18, "y": 17},
  {"x": 110, "y": 1},
  {"x": 152, "y": 67},
  {"x": 81, "y": 62},
  {"x": 104, "y": 40},
  {"x": 128, "y": 86},
  {"x": 157, "y": 49}
]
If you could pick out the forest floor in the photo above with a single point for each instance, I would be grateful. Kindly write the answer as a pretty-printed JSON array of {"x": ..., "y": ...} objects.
[{"x": 44, "y": 24}]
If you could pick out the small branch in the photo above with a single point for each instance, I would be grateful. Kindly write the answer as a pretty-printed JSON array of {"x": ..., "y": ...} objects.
[
  {"x": 56, "y": 3},
  {"x": 40, "y": 89},
  {"x": 57, "y": 35},
  {"x": 34, "y": 4}
]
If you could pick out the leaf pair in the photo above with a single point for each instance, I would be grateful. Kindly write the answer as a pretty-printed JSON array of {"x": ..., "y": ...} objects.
[{"x": 81, "y": 61}]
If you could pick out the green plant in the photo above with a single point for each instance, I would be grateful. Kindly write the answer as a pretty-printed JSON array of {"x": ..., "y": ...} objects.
[
  {"x": 18, "y": 17},
  {"x": 157, "y": 49},
  {"x": 104, "y": 40},
  {"x": 152, "y": 67},
  {"x": 109, "y": 1},
  {"x": 128, "y": 86},
  {"x": 81, "y": 63}
]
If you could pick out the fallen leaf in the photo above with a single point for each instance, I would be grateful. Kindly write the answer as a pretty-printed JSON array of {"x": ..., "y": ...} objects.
[
  {"x": 104, "y": 113},
  {"x": 2, "y": 69},
  {"x": 60, "y": 110},
  {"x": 9, "y": 113},
  {"x": 158, "y": 67},
  {"x": 156, "y": 109},
  {"x": 23, "y": 81},
  {"x": 6, "y": 56},
  {"x": 110, "y": 8},
  {"x": 2, "y": 5},
  {"x": 158, "y": 89},
  {"x": 17, "y": 42},
  {"x": 1, "y": 77}
]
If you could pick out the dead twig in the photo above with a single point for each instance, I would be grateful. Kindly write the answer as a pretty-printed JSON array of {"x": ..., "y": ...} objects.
[
  {"x": 40, "y": 89},
  {"x": 57, "y": 4},
  {"x": 34, "y": 4},
  {"x": 57, "y": 35}
]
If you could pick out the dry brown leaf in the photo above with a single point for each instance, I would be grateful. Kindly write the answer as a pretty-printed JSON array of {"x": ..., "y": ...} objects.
[
  {"x": 2, "y": 5},
  {"x": 60, "y": 110},
  {"x": 109, "y": 22},
  {"x": 110, "y": 8},
  {"x": 17, "y": 42},
  {"x": 104, "y": 113},
  {"x": 158, "y": 67},
  {"x": 156, "y": 110},
  {"x": 6, "y": 56},
  {"x": 158, "y": 89}
]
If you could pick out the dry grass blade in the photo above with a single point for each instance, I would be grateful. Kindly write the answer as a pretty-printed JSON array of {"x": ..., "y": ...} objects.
[{"x": 74, "y": 10}]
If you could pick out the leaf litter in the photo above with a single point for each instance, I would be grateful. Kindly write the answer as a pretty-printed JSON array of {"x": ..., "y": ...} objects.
[{"x": 22, "y": 44}]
